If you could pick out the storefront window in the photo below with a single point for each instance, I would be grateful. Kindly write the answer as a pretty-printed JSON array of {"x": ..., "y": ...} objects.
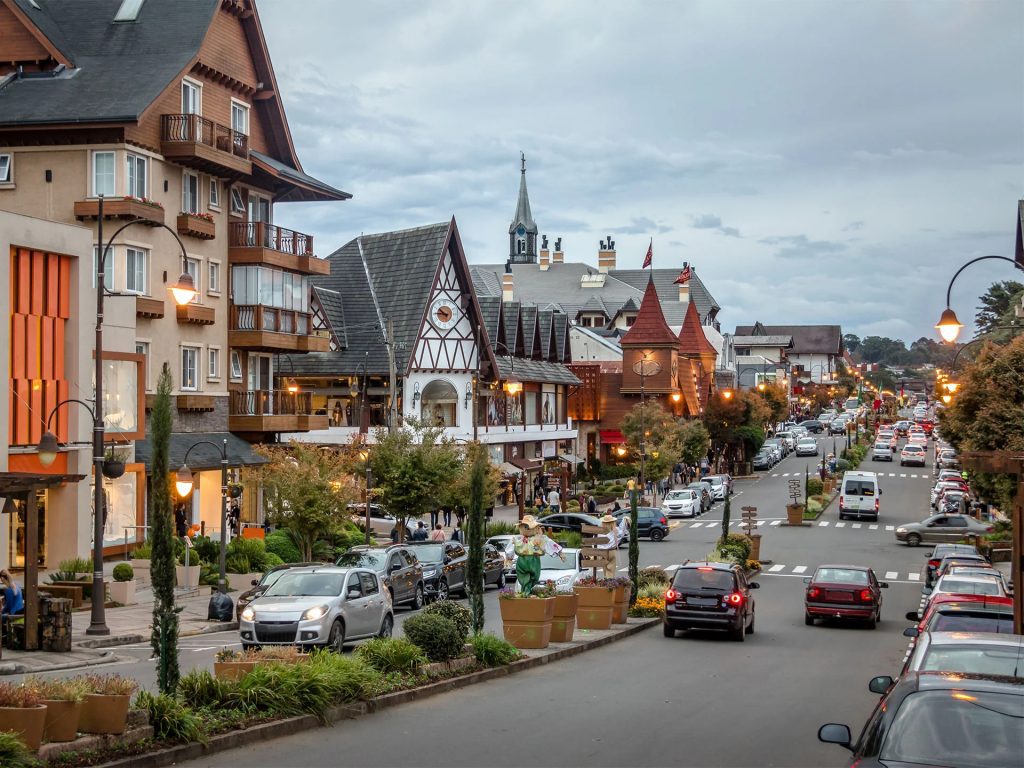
[
  {"x": 532, "y": 416},
  {"x": 119, "y": 514},
  {"x": 496, "y": 406},
  {"x": 16, "y": 530},
  {"x": 548, "y": 408},
  {"x": 120, "y": 395},
  {"x": 515, "y": 409}
]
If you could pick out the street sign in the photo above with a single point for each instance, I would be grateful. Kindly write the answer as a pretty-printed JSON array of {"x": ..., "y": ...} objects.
[{"x": 593, "y": 551}]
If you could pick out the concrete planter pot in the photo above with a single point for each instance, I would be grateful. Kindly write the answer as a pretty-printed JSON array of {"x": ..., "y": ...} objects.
[
  {"x": 142, "y": 570},
  {"x": 527, "y": 621},
  {"x": 620, "y": 604},
  {"x": 26, "y": 722},
  {"x": 564, "y": 622},
  {"x": 595, "y": 607},
  {"x": 61, "y": 720},
  {"x": 795, "y": 514},
  {"x": 755, "y": 546},
  {"x": 187, "y": 576},
  {"x": 122, "y": 592},
  {"x": 104, "y": 713},
  {"x": 232, "y": 670}
]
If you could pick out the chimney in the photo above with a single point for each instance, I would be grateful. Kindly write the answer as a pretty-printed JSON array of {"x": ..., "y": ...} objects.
[
  {"x": 558, "y": 257},
  {"x": 606, "y": 255},
  {"x": 545, "y": 254},
  {"x": 506, "y": 283}
]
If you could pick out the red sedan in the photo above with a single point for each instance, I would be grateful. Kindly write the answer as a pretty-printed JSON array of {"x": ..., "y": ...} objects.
[{"x": 843, "y": 592}]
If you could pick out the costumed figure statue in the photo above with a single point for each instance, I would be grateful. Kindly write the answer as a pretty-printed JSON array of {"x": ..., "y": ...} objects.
[
  {"x": 613, "y": 534},
  {"x": 529, "y": 545}
]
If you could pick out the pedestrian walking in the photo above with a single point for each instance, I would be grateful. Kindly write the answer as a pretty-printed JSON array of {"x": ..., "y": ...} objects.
[
  {"x": 433, "y": 518},
  {"x": 420, "y": 534},
  {"x": 554, "y": 501},
  {"x": 447, "y": 517},
  {"x": 180, "y": 521},
  {"x": 591, "y": 505},
  {"x": 437, "y": 534}
]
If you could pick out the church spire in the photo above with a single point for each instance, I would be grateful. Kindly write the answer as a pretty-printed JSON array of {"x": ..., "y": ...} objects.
[{"x": 522, "y": 232}]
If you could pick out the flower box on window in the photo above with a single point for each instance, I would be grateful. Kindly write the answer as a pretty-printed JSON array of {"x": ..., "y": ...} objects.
[{"x": 198, "y": 225}]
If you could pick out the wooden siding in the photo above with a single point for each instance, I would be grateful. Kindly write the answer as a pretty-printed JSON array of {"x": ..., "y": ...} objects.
[{"x": 17, "y": 43}]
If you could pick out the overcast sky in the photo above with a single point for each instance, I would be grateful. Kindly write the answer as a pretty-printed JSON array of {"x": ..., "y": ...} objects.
[{"x": 817, "y": 162}]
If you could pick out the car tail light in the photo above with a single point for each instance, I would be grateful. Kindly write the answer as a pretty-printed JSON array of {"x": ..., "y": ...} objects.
[
  {"x": 933, "y": 563},
  {"x": 671, "y": 596},
  {"x": 842, "y": 501},
  {"x": 813, "y": 592},
  {"x": 734, "y": 599},
  {"x": 664, "y": 521},
  {"x": 704, "y": 568},
  {"x": 876, "y": 505},
  {"x": 865, "y": 595}
]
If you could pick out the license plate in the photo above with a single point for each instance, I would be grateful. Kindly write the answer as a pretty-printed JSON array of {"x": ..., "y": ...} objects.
[
  {"x": 839, "y": 597},
  {"x": 702, "y": 601}
]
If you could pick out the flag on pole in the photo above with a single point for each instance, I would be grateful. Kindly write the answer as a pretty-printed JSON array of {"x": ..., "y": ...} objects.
[
  {"x": 685, "y": 275},
  {"x": 649, "y": 258}
]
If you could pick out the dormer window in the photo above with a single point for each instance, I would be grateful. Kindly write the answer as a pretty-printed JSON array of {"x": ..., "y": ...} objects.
[
  {"x": 129, "y": 10},
  {"x": 630, "y": 319}
]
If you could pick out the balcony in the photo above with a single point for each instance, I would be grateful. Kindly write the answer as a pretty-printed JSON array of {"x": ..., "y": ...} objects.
[
  {"x": 254, "y": 326},
  {"x": 128, "y": 208},
  {"x": 275, "y": 411},
  {"x": 257, "y": 242},
  {"x": 202, "y": 144}
]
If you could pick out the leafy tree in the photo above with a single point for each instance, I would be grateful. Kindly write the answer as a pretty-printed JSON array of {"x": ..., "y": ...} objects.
[
  {"x": 164, "y": 636},
  {"x": 880, "y": 349},
  {"x": 479, "y": 466},
  {"x": 777, "y": 401},
  {"x": 736, "y": 425},
  {"x": 851, "y": 342},
  {"x": 996, "y": 304},
  {"x": 458, "y": 493},
  {"x": 694, "y": 440},
  {"x": 307, "y": 490},
  {"x": 664, "y": 437}
]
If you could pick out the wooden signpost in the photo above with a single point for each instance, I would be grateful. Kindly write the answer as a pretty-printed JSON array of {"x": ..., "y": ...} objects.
[
  {"x": 590, "y": 555},
  {"x": 749, "y": 514}
]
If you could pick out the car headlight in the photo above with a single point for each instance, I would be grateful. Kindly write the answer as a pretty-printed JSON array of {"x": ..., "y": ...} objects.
[
  {"x": 317, "y": 612},
  {"x": 901, "y": 530},
  {"x": 429, "y": 573},
  {"x": 248, "y": 614}
]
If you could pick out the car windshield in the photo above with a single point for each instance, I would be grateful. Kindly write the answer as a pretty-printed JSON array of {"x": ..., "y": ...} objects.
[
  {"x": 808, "y": 441},
  {"x": 858, "y": 488},
  {"x": 981, "y": 659},
  {"x": 430, "y": 553},
  {"x": 697, "y": 579},
  {"x": 882, "y": 446},
  {"x": 272, "y": 577},
  {"x": 714, "y": 480},
  {"x": 373, "y": 560},
  {"x": 678, "y": 495},
  {"x": 554, "y": 562},
  {"x": 965, "y": 621},
  {"x": 307, "y": 585},
  {"x": 913, "y": 449},
  {"x": 502, "y": 545},
  {"x": 842, "y": 576},
  {"x": 972, "y": 587},
  {"x": 967, "y": 729},
  {"x": 696, "y": 486}
]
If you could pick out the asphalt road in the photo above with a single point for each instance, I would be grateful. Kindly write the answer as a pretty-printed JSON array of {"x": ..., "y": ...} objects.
[{"x": 696, "y": 700}]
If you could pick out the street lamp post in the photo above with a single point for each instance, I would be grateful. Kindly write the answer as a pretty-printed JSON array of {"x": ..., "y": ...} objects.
[
  {"x": 365, "y": 456},
  {"x": 949, "y": 325}
]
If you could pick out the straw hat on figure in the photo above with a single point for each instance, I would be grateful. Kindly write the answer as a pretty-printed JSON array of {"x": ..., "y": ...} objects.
[{"x": 529, "y": 545}]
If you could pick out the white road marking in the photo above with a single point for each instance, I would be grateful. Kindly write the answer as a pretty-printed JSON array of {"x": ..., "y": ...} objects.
[
  {"x": 776, "y": 522},
  {"x": 799, "y": 569},
  {"x": 872, "y": 527},
  {"x": 914, "y": 476},
  {"x": 785, "y": 474},
  {"x": 855, "y": 525},
  {"x": 903, "y": 474},
  {"x": 623, "y": 570},
  {"x": 776, "y": 568},
  {"x": 207, "y": 648},
  {"x": 760, "y": 523},
  {"x": 891, "y": 574},
  {"x": 775, "y": 475},
  {"x": 914, "y": 576},
  {"x": 696, "y": 525},
  {"x": 890, "y": 527},
  {"x": 840, "y": 525},
  {"x": 823, "y": 524}
]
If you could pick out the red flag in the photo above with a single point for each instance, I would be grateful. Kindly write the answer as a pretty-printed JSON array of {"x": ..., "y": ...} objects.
[
  {"x": 649, "y": 258},
  {"x": 685, "y": 275}
]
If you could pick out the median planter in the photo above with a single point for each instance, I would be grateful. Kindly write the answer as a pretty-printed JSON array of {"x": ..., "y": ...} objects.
[
  {"x": 26, "y": 722},
  {"x": 795, "y": 514},
  {"x": 62, "y": 718},
  {"x": 105, "y": 713},
  {"x": 564, "y": 622},
  {"x": 620, "y": 604},
  {"x": 232, "y": 670},
  {"x": 595, "y": 607},
  {"x": 526, "y": 621}
]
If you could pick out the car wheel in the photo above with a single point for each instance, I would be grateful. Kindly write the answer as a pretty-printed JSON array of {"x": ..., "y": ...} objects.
[
  {"x": 913, "y": 539},
  {"x": 750, "y": 629},
  {"x": 442, "y": 590},
  {"x": 336, "y": 638},
  {"x": 500, "y": 583},
  {"x": 657, "y": 534},
  {"x": 808, "y": 620},
  {"x": 247, "y": 646},
  {"x": 386, "y": 627},
  {"x": 668, "y": 631},
  {"x": 739, "y": 634},
  {"x": 417, "y": 601},
  {"x": 872, "y": 623}
]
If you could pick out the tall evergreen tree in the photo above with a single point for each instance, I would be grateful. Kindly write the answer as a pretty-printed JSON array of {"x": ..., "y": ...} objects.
[
  {"x": 726, "y": 514},
  {"x": 164, "y": 638},
  {"x": 475, "y": 531}
]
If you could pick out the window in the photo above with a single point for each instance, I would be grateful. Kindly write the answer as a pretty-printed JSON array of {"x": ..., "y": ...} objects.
[
  {"x": 190, "y": 368},
  {"x": 142, "y": 348},
  {"x": 190, "y": 193},
  {"x": 129, "y": 10},
  {"x": 237, "y": 205},
  {"x": 214, "y": 194},
  {"x": 213, "y": 284},
  {"x": 213, "y": 363},
  {"x": 190, "y": 98},
  {"x": 108, "y": 272},
  {"x": 103, "y": 174},
  {"x": 137, "y": 175},
  {"x": 240, "y": 117},
  {"x": 192, "y": 267},
  {"x": 136, "y": 262},
  {"x": 6, "y": 177},
  {"x": 236, "y": 365}
]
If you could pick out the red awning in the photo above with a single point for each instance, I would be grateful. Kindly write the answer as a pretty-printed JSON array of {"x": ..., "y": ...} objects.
[{"x": 612, "y": 437}]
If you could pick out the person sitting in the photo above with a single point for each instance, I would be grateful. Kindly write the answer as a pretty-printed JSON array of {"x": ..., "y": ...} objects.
[{"x": 14, "y": 598}]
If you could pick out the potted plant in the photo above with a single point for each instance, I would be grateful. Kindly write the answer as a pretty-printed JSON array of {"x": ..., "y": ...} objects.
[
  {"x": 232, "y": 665},
  {"x": 620, "y": 600},
  {"x": 235, "y": 490},
  {"x": 526, "y": 618},
  {"x": 188, "y": 576},
  {"x": 596, "y": 602},
  {"x": 106, "y": 704},
  {"x": 23, "y": 712},
  {"x": 563, "y": 624},
  {"x": 113, "y": 462},
  {"x": 141, "y": 560},
  {"x": 63, "y": 698},
  {"x": 122, "y": 588}
]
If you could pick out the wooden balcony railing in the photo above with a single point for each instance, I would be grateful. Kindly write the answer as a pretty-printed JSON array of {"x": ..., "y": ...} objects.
[
  {"x": 278, "y": 402},
  {"x": 260, "y": 234},
  {"x": 256, "y": 317},
  {"x": 200, "y": 130}
]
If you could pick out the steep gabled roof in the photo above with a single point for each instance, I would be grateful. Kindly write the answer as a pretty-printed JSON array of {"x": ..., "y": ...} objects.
[
  {"x": 807, "y": 339},
  {"x": 334, "y": 313},
  {"x": 490, "y": 310},
  {"x": 692, "y": 340},
  {"x": 529, "y": 320},
  {"x": 560, "y": 329},
  {"x": 650, "y": 326},
  {"x": 42, "y": 27},
  {"x": 544, "y": 324},
  {"x": 513, "y": 330}
]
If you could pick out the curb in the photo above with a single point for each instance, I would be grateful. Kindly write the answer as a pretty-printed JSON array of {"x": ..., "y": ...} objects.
[
  {"x": 13, "y": 668},
  {"x": 278, "y": 728},
  {"x": 110, "y": 642}
]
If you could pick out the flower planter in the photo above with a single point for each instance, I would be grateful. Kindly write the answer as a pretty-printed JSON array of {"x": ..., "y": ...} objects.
[
  {"x": 104, "y": 713},
  {"x": 113, "y": 469},
  {"x": 795, "y": 514},
  {"x": 755, "y": 546},
  {"x": 232, "y": 670},
  {"x": 141, "y": 568},
  {"x": 26, "y": 722},
  {"x": 564, "y": 622},
  {"x": 187, "y": 576},
  {"x": 620, "y": 604},
  {"x": 527, "y": 621},
  {"x": 595, "y": 607},
  {"x": 196, "y": 226},
  {"x": 122, "y": 592},
  {"x": 61, "y": 719}
]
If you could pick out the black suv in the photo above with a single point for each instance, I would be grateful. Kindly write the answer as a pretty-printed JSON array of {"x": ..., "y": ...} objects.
[
  {"x": 444, "y": 567},
  {"x": 397, "y": 567},
  {"x": 710, "y": 596},
  {"x": 650, "y": 522}
]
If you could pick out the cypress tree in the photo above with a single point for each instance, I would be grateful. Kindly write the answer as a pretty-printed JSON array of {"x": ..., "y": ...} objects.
[
  {"x": 164, "y": 638},
  {"x": 475, "y": 524}
]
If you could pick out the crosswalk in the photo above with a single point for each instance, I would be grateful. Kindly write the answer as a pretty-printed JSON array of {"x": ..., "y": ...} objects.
[
  {"x": 784, "y": 569},
  {"x": 906, "y": 475},
  {"x": 772, "y": 522}
]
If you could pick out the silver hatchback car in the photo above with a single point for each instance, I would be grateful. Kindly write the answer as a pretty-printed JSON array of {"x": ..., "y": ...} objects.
[{"x": 319, "y": 607}]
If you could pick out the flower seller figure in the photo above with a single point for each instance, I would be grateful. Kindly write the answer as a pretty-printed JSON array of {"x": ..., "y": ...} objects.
[
  {"x": 529, "y": 545},
  {"x": 612, "y": 534}
]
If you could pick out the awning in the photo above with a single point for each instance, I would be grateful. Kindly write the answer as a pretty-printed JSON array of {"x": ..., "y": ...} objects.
[
  {"x": 612, "y": 437},
  {"x": 509, "y": 469},
  {"x": 570, "y": 459},
  {"x": 526, "y": 465},
  {"x": 240, "y": 453}
]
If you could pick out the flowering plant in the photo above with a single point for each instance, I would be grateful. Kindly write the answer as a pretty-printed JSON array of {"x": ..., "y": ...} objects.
[
  {"x": 510, "y": 593},
  {"x": 648, "y": 607},
  {"x": 208, "y": 217},
  {"x": 144, "y": 201}
]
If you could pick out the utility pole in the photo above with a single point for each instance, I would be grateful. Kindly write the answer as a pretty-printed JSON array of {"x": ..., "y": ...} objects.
[{"x": 392, "y": 380}]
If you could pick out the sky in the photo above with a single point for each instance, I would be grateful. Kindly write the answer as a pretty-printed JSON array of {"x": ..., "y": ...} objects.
[{"x": 816, "y": 162}]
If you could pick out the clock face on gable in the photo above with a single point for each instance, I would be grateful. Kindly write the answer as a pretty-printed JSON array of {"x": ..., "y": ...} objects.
[
  {"x": 444, "y": 314},
  {"x": 521, "y": 231}
]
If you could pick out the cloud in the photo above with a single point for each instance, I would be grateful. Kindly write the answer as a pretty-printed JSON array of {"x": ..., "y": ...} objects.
[
  {"x": 801, "y": 247},
  {"x": 854, "y": 226},
  {"x": 642, "y": 226},
  {"x": 710, "y": 221}
]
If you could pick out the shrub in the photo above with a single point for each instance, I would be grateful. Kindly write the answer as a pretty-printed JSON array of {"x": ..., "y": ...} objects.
[
  {"x": 500, "y": 528},
  {"x": 742, "y": 541},
  {"x": 493, "y": 651},
  {"x": 652, "y": 591},
  {"x": 459, "y": 614},
  {"x": 815, "y": 487},
  {"x": 618, "y": 471},
  {"x": 653, "y": 577},
  {"x": 648, "y": 607},
  {"x": 18, "y": 696},
  {"x": 206, "y": 548},
  {"x": 171, "y": 720},
  {"x": 144, "y": 551},
  {"x": 254, "y": 550},
  {"x": 439, "y": 637},
  {"x": 280, "y": 544},
  {"x": 391, "y": 654},
  {"x": 76, "y": 565},
  {"x": 14, "y": 753},
  {"x": 311, "y": 687},
  {"x": 123, "y": 572},
  {"x": 111, "y": 685},
  {"x": 842, "y": 465},
  {"x": 237, "y": 563},
  {"x": 201, "y": 689},
  {"x": 271, "y": 561},
  {"x": 58, "y": 689},
  {"x": 570, "y": 539}
]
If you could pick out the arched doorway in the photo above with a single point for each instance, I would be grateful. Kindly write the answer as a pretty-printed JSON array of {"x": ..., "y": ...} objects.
[{"x": 440, "y": 402}]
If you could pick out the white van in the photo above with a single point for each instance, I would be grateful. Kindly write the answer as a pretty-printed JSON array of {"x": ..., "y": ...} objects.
[{"x": 859, "y": 495}]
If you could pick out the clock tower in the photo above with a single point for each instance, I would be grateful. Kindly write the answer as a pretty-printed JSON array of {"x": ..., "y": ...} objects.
[{"x": 522, "y": 232}]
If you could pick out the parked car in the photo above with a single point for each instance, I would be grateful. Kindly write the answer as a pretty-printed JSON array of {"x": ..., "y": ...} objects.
[
  {"x": 948, "y": 459},
  {"x": 957, "y": 558},
  {"x": 859, "y": 495},
  {"x": 807, "y": 446},
  {"x": 943, "y": 485},
  {"x": 954, "y": 584},
  {"x": 980, "y": 569},
  {"x": 843, "y": 592},
  {"x": 788, "y": 439},
  {"x": 940, "y": 528},
  {"x": 721, "y": 486},
  {"x": 813, "y": 425},
  {"x": 505, "y": 547},
  {"x": 324, "y": 606},
  {"x": 568, "y": 521},
  {"x": 763, "y": 460},
  {"x": 381, "y": 522},
  {"x": 444, "y": 567},
  {"x": 650, "y": 522},
  {"x": 953, "y": 501},
  {"x": 397, "y": 567},
  {"x": 776, "y": 449},
  {"x": 704, "y": 489},
  {"x": 683, "y": 502},
  {"x": 974, "y": 652},
  {"x": 838, "y": 426},
  {"x": 964, "y": 613},
  {"x": 881, "y": 451},
  {"x": 913, "y": 454},
  {"x": 564, "y": 571},
  {"x": 710, "y": 596},
  {"x": 944, "y": 550},
  {"x": 259, "y": 586},
  {"x": 928, "y": 718}
]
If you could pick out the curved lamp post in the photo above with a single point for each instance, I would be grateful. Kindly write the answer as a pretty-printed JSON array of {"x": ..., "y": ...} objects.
[{"x": 949, "y": 325}]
